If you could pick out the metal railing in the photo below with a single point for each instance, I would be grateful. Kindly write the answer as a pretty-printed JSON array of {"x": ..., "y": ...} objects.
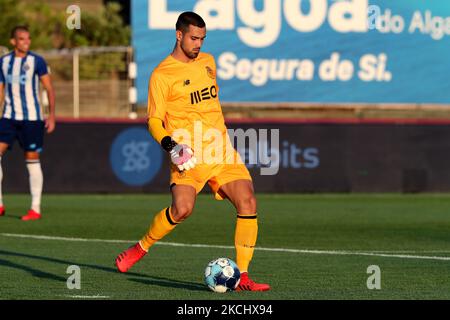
[{"x": 91, "y": 81}]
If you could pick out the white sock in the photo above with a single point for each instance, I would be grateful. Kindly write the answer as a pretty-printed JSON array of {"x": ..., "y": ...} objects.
[
  {"x": 36, "y": 183},
  {"x": 1, "y": 179}
]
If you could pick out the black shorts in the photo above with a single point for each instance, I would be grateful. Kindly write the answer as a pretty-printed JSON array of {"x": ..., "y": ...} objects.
[{"x": 30, "y": 134}]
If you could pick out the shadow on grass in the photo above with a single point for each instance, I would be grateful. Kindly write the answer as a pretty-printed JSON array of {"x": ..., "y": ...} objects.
[
  {"x": 149, "y": 280},
  {"x": 33, "y": 272},
  {"x": 170, "y": 283},
  {"x": 15, "y": 217}
]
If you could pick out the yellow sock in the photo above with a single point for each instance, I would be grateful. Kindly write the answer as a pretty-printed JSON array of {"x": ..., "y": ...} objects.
[
  {"x": 162, "y": 224},
  {"x": 245, "y": 239}
]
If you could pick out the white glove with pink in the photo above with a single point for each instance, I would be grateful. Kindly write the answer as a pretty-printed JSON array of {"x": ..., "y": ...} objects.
[{"x": 183, "y": 157}]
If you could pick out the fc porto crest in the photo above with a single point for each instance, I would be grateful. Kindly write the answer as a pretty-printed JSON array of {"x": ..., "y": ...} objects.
[
  {"x": 25, "y": 67},
  {"x": 210, "y": 72}
]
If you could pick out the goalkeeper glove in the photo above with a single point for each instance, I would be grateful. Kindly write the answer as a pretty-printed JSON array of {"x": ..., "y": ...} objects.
[{"x": 181, "y": 155}]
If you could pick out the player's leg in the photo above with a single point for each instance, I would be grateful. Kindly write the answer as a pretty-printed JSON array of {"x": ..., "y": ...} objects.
[
  {"x": 36, "y": 181},
  {"x": 31, "y": 138},
  {"x": 7, "y": 137},
  {"x": 241, "y": 195},
  {"x": 183, "y": 200},
  {"x": 3, "y": 148}
]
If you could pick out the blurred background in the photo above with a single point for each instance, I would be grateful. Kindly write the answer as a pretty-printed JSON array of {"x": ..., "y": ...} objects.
[
  {"x": 99, "y": 69},
  {"x": 113, "y": 34},
  {"x": 359, "y": 90}
]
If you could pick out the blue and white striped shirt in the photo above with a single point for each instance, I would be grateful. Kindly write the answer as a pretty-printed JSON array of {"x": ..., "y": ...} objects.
[{"x": 21, "y": 78}]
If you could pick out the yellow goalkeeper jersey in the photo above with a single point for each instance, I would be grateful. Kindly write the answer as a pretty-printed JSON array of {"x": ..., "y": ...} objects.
[{"x": 185, "y": 95}]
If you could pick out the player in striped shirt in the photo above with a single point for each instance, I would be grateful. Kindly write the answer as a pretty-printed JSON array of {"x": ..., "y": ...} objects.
[{"x": 22, "y": 116}]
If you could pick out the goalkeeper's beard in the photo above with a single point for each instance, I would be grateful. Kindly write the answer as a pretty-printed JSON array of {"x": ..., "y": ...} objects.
[{"x": 191, "y": 54}]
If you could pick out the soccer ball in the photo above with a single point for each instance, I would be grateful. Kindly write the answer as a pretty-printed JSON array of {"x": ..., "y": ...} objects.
[{"x": 222, "y": 275}]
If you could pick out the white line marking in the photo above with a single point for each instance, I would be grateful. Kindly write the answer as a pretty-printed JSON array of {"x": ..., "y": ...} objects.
[
  {"x": 86, "y": 297},
  {"x": 306, "y": 251},
  {"x": 42, "y": 237}
]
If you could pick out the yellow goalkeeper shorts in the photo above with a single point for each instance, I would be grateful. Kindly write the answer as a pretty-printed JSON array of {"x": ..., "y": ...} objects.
[{"x": 216, "y": 175}]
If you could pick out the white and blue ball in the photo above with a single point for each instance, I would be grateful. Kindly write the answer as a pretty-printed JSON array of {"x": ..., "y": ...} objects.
[{"x": 222, "y": 275}]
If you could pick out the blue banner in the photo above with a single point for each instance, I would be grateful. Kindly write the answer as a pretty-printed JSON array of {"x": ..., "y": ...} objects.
[{"x": 344, "y": 51}]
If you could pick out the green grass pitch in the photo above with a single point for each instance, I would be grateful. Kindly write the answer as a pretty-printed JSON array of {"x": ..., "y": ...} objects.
[{"x": 309, "y": 247}]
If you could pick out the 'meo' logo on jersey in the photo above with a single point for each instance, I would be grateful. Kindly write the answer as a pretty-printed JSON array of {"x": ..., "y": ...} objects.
[{"x": 204, "y": 94}]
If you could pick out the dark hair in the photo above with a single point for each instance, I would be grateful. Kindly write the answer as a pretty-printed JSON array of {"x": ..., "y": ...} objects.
[
  {"x": 18, "y": 28},
  {"x": 189, "y": 18}
]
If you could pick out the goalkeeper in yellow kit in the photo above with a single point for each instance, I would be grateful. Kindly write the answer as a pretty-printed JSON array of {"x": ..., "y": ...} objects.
[{"x": 183, "y": 97}]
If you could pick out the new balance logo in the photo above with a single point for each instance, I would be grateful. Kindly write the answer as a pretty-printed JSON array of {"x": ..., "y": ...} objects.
[
  {"x": 186, "y": 82},
  {"x": 204, "y": 94}
]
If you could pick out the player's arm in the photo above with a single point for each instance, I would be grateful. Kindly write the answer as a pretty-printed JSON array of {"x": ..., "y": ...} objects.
[
  {"x": 157, "y": 130},
  {"x": 180, "y": 154},
  {"x": 2, "y": 85},
  {"x": 42, "y": 72},
  {"x": 158, "y": 93},
  {"x": 50, "y": 121},
  {"x": 2, "y": 93}
]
